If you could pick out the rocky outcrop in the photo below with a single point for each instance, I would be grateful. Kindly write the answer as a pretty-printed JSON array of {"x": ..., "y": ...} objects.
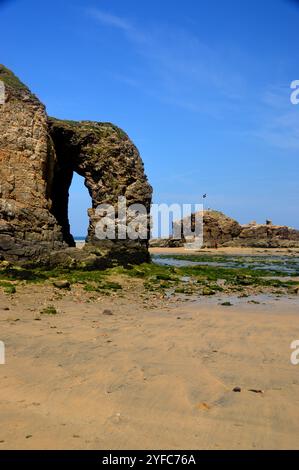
[
  {"x": 220, "y": 230},
  {"x": 38, "y": 157},
  {"x": 167, "y": 242},
  {"x": 27, "y": 159},
  {"x": 267, "y": 236},
  {"x": 109, "y": 162}
]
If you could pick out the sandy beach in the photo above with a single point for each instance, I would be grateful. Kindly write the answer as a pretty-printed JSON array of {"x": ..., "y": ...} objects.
[
  {"x": 149, "y": 235},
  {"x": 124, "y": 372},
  {"x": 230, "y": 251}
]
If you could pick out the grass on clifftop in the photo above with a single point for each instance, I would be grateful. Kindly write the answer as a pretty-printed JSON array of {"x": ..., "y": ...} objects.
[
  {"x": 102, "y": 128},
  {"x": 10, "y": 79}
]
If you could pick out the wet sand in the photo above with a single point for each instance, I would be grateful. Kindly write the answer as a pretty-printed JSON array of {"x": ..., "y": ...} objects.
[
  {"x": 149, "y": 375},
  {"x": 232, "y": 251}
]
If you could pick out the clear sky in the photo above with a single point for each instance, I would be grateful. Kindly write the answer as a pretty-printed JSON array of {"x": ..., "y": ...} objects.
[{"x": 202, "y": 88}]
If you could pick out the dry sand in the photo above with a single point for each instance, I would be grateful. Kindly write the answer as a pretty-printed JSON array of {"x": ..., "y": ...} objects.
[{"x": 149, "y": 376}]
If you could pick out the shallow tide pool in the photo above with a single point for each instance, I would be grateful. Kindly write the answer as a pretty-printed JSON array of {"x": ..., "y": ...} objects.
[{"x": 285, "y": 264}]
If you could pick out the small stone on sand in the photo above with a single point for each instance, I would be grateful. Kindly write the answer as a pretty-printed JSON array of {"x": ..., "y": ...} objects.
[{"x": 107, "y": 312}]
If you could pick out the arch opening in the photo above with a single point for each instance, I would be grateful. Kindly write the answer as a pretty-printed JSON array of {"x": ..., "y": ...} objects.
[
  {"x": 79, "y": 203},
  {"x": 70, "y": 203}
]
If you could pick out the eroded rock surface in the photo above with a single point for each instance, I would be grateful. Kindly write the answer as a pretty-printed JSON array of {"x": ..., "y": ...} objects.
[
  {"x": 38, "y": 157},
  {"x": 219, "y": 229},
  {"x": 267, "y": 236},
  {"x": 27, "y": 160}
]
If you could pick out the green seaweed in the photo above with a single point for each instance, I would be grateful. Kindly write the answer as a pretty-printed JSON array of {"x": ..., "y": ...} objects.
[
  {"x": 154, "y": 277},
  {"x": 8, "y": 287},
  {"x": 50, "y": 310}
]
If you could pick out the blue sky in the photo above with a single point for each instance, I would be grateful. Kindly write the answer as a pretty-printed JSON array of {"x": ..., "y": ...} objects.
[{"x": 202, "y": 88}]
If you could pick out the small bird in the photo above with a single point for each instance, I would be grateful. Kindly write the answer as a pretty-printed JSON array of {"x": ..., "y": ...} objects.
[{"x": 204, "y": 196}]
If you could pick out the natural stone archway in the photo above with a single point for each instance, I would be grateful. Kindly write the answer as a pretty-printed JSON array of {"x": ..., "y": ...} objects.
[
  {"x": 108, "y": 161},
  {"x": 38, "y": 156}
]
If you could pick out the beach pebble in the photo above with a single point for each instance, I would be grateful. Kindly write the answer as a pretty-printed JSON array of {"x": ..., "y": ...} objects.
[
  {"x": 107, "y": 312},
  {"x": 208, "y": 291},
  {"x": 62, "y": 284},
  {"x": 253, "y": 390},
  {"x": 237, "y": 390}
]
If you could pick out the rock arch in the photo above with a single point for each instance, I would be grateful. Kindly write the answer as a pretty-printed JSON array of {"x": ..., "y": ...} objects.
[{"x": 38, "y": 156}]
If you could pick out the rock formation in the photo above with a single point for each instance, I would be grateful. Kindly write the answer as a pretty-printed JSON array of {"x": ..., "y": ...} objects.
[
  {"x": 220, "y": 230},
  {"x": 267, "y": 236},
  {"x": 38, "y": 157}
]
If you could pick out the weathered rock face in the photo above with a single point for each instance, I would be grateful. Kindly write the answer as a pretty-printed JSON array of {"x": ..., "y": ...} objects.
[
  {"x": 38, "y": 156},
  {"x": 110, "y": 163},
  {"x": 267, "y": 236},
  {"x": 223, "y": 231},
  {"x": 27, "y": 159},
  {"x": 219, "y": 229},
  {"x": 167, "y": 242}
]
